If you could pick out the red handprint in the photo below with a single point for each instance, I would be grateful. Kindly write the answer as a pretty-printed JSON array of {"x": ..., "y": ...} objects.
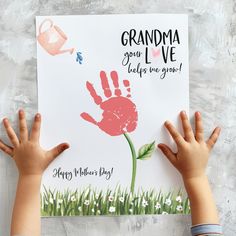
[{"x": 119, "y": 113}]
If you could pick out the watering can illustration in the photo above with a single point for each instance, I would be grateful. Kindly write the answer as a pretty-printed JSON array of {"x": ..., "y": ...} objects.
[{"x": 52, "y": 39}]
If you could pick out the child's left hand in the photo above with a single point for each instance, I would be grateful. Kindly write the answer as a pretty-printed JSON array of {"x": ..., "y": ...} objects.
[{"x": 30, "y": 158}]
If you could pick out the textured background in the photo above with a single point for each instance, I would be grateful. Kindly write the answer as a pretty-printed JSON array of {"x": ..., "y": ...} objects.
[{"x": 212, "y": 25}]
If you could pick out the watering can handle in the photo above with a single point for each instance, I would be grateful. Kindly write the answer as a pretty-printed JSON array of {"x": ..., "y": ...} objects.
[{"x": 46, "y": 20}]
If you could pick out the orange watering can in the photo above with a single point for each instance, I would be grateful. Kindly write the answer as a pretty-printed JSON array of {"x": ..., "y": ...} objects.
[{"x": 52, "y": 39}]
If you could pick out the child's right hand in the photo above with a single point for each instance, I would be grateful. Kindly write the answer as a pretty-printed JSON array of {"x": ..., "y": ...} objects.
[
  {"x": 193, "y": 152},
  {"x": 191, "y": 161}
]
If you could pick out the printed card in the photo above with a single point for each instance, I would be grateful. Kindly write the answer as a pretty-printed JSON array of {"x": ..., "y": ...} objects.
[{"x": 106, "y": 84}]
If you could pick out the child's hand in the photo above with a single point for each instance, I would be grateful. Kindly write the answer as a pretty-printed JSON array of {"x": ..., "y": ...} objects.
[
  {"x": 193, "y": 152},
  {"x": 30, "y": 158}
]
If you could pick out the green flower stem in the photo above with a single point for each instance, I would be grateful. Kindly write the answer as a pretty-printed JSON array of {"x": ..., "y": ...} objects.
[{"x": 134, "y": 161}]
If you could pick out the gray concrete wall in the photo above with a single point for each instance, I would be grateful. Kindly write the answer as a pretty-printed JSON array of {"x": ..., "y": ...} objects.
[{"x": 212, "y": 25}]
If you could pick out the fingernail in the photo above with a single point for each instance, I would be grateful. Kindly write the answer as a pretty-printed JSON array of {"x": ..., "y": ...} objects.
[
  {"x": 198, "y": 113},
  {"x": 5, "y": 120},
  {"x": 65, "y": 146},
  {"x": 37, "y": 116},
  {"x": 167, "y": 123},
  {"x": 21, "y": 112}
]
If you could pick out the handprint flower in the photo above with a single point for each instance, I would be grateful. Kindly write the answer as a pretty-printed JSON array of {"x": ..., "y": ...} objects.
[
  {"x": 119, "y": 116},
  {"x": 119, "y": 112}
]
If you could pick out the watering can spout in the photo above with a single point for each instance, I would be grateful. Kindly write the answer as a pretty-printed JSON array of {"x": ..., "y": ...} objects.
[{"x": 71, "y": 50}]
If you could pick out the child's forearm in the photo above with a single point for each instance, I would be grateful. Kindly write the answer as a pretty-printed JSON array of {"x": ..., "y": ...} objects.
[
  {"x": 191, "y": 161},
  {"x": 26, "y": 212},
  {"x": 31, "y": 160},
  {"x": 203, "y": 208}
]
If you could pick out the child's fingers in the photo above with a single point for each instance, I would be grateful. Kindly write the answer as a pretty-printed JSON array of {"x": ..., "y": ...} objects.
[
  {"x": 10, "y": 132},
  {"x": 5, "y": 148},
  {"x": 23, "y": 126},
  {"x": 188, "y": 132},
  {"x": 213, "y": 138},
  {"x": 56, "y": 151},
  {"x": 174, "y": 133},
  {"x": 199, "y": 127},
  {"x": 35, "y": 131},
  {"x": 168, "y": 153}
]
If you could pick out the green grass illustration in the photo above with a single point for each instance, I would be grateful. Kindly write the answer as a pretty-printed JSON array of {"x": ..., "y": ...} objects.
[{"x": 90, "y": 202}]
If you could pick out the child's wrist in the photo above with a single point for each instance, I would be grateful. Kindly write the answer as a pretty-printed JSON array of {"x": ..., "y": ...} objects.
[
  {"x": 31, "y": 177},
  {"x": 195, "y": 183},
  {"x": 193, "y": 176},
  {"x": 195, "y": 179}
]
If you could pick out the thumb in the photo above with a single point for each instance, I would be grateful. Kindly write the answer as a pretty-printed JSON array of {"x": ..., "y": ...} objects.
[
  {"x": 56, "y": 151},
  {"x": 170, "y": 155}
]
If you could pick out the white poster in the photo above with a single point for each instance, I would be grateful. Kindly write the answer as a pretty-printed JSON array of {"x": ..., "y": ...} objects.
[{"x": 106, "y": 84}]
